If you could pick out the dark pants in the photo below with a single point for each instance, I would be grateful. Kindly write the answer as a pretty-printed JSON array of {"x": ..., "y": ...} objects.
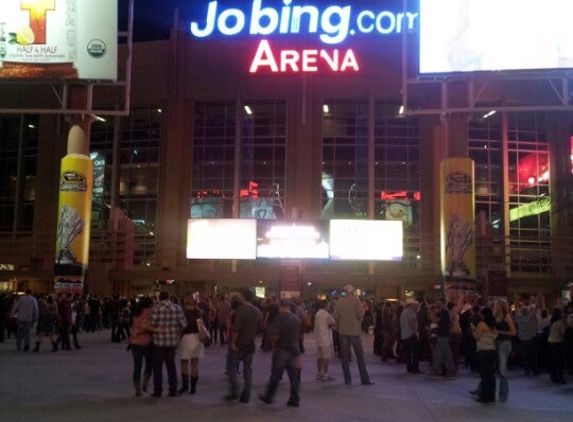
[
  {"x": 165, "y": 355},
  {"x": 140, "y": 354},
  {"x": 412, "y": 347},
  {"x": 557, "y": 365},
  {"x": 64, "y": 337},
  {"x": 283, "y": 359},
  {"x": 245, "y": 355},
  {"x": 529, "y": 356},
  {"x": 486, "y": 360}
]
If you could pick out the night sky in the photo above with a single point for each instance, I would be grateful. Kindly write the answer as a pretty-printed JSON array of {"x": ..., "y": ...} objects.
[{"x": 153, "y": 19}]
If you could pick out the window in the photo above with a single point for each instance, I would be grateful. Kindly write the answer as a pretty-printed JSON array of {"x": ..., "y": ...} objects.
[
  {"x": 18, "y": 160},
  {"x": 258, "y": 183}
]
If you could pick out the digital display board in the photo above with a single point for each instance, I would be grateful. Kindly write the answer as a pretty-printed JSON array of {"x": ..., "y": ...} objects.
[
  {"x": 280, "y": 239},
  {"x": 221, "y": 238},
  {"x": 495, "y": 35},
  {"x": 58, "y": 39},
  {"x": 366, "y": 240}
]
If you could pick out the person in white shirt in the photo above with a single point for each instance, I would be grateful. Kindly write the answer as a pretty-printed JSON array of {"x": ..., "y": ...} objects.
[{"x": 323, "y": 325}]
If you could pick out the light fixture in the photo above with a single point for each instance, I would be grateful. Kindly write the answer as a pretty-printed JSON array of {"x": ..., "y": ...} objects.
[
  {"x": 489, "y": 114},
  {"x": 248, "y": 110},
  {"x": 31, "y": 126},
  {"x": 325, "y": 109},
  {"x": 159, "y": 110},
  {"x": 401, "y": 111}
]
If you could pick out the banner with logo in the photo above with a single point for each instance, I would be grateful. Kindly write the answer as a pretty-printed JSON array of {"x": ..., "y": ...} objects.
[
  {"x": 58, "y": 39},
  {"x": 457, "y": 217}
]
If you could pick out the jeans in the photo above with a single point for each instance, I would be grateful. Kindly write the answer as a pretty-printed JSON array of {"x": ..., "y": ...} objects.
[
  {"x": 356, "y": 342},
  {"x": 411, "y": 347},
  {"x": 163, "y": 354},
  {"x": 245, "y": 355},
  {"x": 284, "y": 359},
  {"x": 23, "y": 334},
  {"x": 443, "y": 355},
  {"x": 503, "y": 350},
  {"x": 141, "y": 353}
]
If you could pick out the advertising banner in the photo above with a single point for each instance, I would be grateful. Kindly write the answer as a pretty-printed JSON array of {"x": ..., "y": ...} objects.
[
  {"x": 74, "y": 216},
  {"x": 58, "y": 39},
  {"x": 457, "y": 217}
]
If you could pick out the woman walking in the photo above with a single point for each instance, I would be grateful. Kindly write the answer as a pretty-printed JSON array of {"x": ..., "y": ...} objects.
[
  {"x": 505, "y": 332},
  {"x": 486, "y": 356},
  {"x": 48, "y": 318},
  {"x": 192, "y": 349},
  {"x": 556, "y": 342}
]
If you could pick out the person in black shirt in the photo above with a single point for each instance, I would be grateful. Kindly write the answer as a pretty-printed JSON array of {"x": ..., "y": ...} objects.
[
  {"x": 443, "y": 353},
  {"x": 285, "y": 334}
]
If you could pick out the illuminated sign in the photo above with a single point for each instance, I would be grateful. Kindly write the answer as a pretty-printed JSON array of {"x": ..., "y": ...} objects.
[
  {"x": 215, "y": 238},
  {"x": 366, "y": 240},
  {"x": 333, "y": 24},
  {"x": 291, "y": 240},
  {"x": 304, "y": 61}
]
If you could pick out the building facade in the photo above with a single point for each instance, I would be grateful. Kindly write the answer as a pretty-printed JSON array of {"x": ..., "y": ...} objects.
[{"x": 283, "y": 128}]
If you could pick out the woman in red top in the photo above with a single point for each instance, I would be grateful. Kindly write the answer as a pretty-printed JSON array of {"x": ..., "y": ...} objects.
[{"x": 140, "y": 343}]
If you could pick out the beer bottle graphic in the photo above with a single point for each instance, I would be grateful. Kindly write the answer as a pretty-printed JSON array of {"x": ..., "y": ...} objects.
[{"x": 38, "y": 39}]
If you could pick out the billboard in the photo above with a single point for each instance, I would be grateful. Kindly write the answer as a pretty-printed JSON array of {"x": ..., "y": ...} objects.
[
  {"x": 58, "y": 39},
  {"x": 366, "y": 240},
  {"x": 291, "y": 240},
  {"x": 492, "y": 35},
  {"x": 221, "y": 238}
]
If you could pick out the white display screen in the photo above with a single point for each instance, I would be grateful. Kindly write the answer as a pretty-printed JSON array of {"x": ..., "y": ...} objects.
[
  {"x": 221, "y": 238},
  {"x": 291, "y": 240},
  {"x": 491, "y": 35},
  {"x": 366, "y": 240}
]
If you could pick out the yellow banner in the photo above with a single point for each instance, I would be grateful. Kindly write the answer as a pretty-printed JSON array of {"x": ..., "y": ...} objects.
[
  {"x": 74, "y": 217},
  {"x": 457, "y": 217}
]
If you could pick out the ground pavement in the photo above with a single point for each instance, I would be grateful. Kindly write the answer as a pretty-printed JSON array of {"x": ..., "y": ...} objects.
[{"x": 94, "y": 384}]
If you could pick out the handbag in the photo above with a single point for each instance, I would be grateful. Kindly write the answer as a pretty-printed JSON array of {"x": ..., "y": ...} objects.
[{"x": 204, "y": 336}]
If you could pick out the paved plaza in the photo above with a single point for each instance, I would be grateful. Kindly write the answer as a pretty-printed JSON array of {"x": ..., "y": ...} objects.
[{"x": 94, "y": 384}]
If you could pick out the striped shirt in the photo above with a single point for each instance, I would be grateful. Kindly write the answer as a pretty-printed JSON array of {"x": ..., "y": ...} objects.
[{"x": 170, "y": 316}]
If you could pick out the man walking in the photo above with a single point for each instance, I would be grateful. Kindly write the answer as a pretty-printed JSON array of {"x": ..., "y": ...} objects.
[
  {"x": 409, "y": 335},
  {"x": 348, "y": 314},
  {"x": 26, "y": 311},
  {"x": 285, "y": 335},
  {"x": 245, "y": 327},
  {"x": 170, "y": 317}
]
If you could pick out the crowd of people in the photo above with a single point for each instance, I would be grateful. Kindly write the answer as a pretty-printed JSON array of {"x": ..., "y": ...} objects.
[{"x": 485, "y": 338}]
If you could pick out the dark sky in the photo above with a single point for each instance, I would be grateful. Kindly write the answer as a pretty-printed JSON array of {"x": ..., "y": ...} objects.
[{"x": 153, "y": 19}]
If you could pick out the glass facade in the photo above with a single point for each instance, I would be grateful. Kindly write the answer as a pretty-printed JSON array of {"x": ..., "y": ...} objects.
[
  {"x": 239, "y": 156},
  {"x": 523, "y": 227},
  {"x": 18, "y": 162},
  {"x": 140, "y": 134},
  {"x": 396, "y": 163}
]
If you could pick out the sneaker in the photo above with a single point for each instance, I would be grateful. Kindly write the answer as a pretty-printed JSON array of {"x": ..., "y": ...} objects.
[
  {"x": 450, "y": 377},
  {"x": 319, "y": 377},
  {"x": 292, "y": 403},
  {"x": 327, "y": 378},
  {"x": 231, "y": 397}
]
